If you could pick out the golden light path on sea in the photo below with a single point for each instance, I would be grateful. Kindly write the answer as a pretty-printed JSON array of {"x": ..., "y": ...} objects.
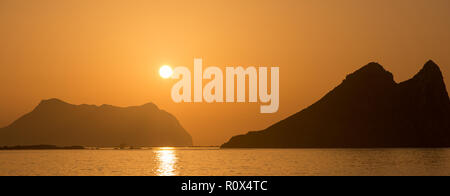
[{"x": 167, "y": 160}]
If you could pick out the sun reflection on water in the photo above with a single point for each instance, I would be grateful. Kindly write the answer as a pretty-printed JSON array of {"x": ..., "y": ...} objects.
[{"x": 167, "y": 160}]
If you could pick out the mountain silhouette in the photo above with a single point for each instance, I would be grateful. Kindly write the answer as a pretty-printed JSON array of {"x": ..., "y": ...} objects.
[
  {"x": 58, "y": 123},
  {"x": 367, "y": 110}
]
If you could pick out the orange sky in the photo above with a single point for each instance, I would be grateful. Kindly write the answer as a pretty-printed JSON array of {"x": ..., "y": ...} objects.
[{"x": 109, "y": 51}]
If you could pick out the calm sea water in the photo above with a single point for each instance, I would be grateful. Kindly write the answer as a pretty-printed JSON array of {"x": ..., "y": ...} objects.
[{"x": 214, "y": 161}]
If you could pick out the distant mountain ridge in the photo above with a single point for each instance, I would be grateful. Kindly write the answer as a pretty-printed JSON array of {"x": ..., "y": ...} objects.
[
  {"x": 59, "y": 123},
  {"x": 368, "y": 109}
]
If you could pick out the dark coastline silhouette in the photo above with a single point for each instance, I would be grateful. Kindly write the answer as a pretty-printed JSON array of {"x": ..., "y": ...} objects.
[
  {"x": 61, "y": 124},
  {"x": 42, "y": 147},
  {"x": 368, "y": 110}
]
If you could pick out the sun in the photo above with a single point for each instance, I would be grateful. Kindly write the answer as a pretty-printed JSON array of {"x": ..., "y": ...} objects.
[{"x": 165, "y": 71}]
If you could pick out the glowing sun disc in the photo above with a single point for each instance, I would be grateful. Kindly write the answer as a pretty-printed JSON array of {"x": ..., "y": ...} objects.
[{"x": 165, "y": 71}]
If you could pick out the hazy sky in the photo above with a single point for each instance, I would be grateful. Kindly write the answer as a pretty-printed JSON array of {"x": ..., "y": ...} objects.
[{"x": 109, "y": 51}]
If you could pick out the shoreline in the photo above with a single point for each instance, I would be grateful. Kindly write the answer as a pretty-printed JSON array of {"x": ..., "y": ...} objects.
[{"x": 42, "y": 147}]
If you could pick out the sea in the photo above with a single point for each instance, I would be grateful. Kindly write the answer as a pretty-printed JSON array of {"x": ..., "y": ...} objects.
[{"x": 213, "y": 161}]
